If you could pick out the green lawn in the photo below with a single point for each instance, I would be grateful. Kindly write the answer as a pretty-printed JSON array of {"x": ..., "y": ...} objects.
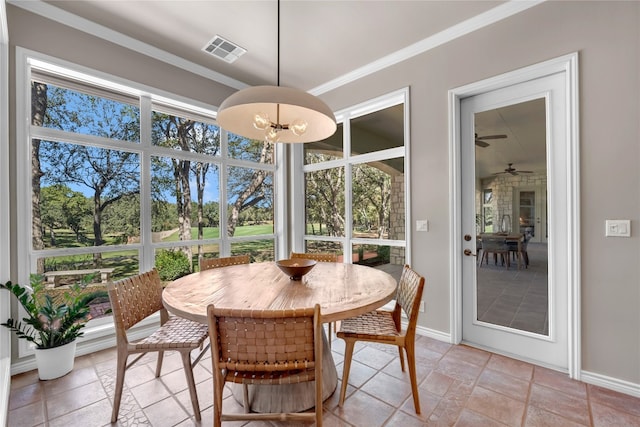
[{"x": 214, "y": 232}]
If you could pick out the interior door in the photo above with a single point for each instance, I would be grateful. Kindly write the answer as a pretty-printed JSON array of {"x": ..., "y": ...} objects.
[
  {"x": 530, "y": 209},
  {"x": 490, "y": 285}
]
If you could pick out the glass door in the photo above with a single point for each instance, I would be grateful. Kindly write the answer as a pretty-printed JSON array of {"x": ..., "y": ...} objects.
[{"x": 510, "y": 303}]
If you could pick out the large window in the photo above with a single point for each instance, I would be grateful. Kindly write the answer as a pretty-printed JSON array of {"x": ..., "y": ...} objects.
[
  {"x": 118, "y": 180},
  {"x": 354, "y": 187}
]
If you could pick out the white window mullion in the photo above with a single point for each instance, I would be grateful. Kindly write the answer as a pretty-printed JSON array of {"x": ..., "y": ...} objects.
[
  {"x": 147, "y": 255},
  {"x": 225, "y": 246}
]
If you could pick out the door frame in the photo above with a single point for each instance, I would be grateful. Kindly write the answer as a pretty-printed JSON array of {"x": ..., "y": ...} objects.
[{"x": 568, "y": 64}]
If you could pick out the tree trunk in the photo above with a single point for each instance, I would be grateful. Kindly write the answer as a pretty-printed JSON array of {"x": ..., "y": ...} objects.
[
  {"x": 38, "y": 109},
  {"x": 256, "y": 181}
]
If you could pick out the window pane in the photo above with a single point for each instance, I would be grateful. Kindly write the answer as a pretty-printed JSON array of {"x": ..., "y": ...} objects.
[
  {"x": 184, "y": 134},
  {"x": 87, "y": 196},
  {"x": 315, "y": 246},
  {"x": 61, "y": 272},
  {"x": 325, "y": 207},
  {"x": 378, "y": 200},
  {"x": 327, "y": 149},
  {"x": 258, "y": 250},
  {"x": 185, "y": 200},
  {"x": 388, "y": 258},
  {"x": 378, "y": 131},
  {"x": 250, "y": 149},
  {"x": 250, "y": 196},
  {"x": 68, "y": 110}
]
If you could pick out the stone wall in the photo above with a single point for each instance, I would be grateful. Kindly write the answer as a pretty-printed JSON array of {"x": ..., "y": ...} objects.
[
  {"x": 503, "y": 187},
  {"x": 397, "y": 218}
]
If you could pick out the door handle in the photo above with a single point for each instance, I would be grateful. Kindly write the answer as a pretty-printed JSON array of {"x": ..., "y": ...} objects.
[{"x": 468, "y": 252}]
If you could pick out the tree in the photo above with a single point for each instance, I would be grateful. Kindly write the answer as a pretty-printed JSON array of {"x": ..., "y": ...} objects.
[
  {"x": 325, "y": 198},
  {"x": 62, "y": 207},
  {"x": 174, "y": 132},
  {"x": 38, "y": 111},
  {"x": 108, "y": 174},
  {"x": 249, "y": 187},
  {"x": 52, "y": 199},
  {"x": 372, "y": 194},
  {"x": 122, "y": 218}
]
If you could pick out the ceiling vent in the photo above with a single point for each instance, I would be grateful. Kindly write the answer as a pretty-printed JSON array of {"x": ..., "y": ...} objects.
[{"x": 224, "y": 49}]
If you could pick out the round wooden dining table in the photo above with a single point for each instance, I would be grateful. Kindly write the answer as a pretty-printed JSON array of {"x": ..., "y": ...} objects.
[{"x": 342, "y": 290}]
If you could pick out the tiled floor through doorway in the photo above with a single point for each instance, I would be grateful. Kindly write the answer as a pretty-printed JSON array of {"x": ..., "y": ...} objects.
[
  {"x": 459, "y": 386},
  {"x": 516, "y": 298}
]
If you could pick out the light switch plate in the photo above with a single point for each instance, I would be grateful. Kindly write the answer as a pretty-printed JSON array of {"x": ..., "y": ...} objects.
[
  {"x": 618, "y": 228},
  {"x": 422, "y": 225}
]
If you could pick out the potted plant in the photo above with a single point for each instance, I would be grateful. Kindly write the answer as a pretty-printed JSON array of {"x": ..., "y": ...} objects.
[{"x": 52, "y": 326}]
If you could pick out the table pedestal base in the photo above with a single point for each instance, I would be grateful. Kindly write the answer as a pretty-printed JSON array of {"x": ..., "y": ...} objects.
[{"x": 291, "y": 397}]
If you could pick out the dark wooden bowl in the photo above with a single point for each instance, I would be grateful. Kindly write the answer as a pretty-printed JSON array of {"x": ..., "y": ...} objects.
[{"x": 295, "y": 268}]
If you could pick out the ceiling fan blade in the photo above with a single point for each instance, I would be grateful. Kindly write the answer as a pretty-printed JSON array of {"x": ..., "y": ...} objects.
[
  {"x": 492, "y": 137},
  {"x": 514, "y": 173},
  {"x": 481, "y": 143}
]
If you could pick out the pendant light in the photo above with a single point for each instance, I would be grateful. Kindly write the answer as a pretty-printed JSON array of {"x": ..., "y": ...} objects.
[{"x": 276, "y": 113}]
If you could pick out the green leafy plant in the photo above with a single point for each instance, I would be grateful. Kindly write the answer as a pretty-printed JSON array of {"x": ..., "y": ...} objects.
[
  {"x": 172, "y": 264},
  {"x": 48, "y": 323}
]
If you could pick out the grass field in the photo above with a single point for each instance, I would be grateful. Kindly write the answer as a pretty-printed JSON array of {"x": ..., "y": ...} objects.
[{"x": 126, "y": 262}]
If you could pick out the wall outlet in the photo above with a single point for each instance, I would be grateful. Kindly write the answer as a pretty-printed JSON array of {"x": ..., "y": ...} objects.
[{"x": 421, "y": 306}]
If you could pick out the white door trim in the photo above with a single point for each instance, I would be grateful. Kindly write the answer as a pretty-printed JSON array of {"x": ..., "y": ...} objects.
[
  {"x": 569, "y": 65},
  {"x": 5, "y": 249}
]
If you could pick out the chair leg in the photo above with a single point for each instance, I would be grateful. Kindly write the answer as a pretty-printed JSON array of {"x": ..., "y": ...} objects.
[
  {"x": 401, "y": 357},
  {"x": 346, "y": 366},
  {"x": 159, "y": 364},
  {"x": 186, "y": 362},
  {"x": 218, "y": 390},
  {"x": 245, "y": 398},
  {"x": 411, "y": 360},
  {"x": 121, "y": 367}
]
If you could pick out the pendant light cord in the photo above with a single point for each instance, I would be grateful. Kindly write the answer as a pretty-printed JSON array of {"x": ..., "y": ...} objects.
[
  {"x": 278, "y": 42},
  {"x": 278, "y": 106}
]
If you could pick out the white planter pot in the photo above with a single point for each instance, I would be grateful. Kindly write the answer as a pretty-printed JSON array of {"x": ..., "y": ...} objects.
[{"x": 55, "y": 362}]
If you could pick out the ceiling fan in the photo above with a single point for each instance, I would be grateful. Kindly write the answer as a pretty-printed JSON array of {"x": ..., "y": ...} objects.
[
  {"x": 480, "y": 140},
  {"x": 512, "y": 171}
]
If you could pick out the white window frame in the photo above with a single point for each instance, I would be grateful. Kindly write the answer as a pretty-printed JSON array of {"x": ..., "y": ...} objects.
[
  {"x": 5, "y": 249},
  {"x": 100, "y": 331},
  {"x": 347, "y": 161}
]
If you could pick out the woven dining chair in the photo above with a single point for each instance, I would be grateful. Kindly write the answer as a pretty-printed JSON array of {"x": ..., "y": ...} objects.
[
  {"x": 497, "y": 246},
  {"x": 265, "y": 347},
  {"x": 134, "y": 299},
  {"x": 208, "y": 263},
  {"x": 384, "y": 327},
  {"x": 320, "y": 257}
]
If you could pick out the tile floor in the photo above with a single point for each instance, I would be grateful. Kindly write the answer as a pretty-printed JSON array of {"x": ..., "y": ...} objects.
[
  {"x": 516, "y": 298},
  {"x": 459, "y": 386}
]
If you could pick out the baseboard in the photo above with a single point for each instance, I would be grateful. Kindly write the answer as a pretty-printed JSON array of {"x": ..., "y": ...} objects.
[
  {"x": 432, "y": 333},
  {"x": 610, "y": 383},
  {"x": 5, "y": 388}
]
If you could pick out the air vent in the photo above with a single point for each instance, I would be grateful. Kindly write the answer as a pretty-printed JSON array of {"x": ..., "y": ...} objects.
[{"x": 224, "y": 49}]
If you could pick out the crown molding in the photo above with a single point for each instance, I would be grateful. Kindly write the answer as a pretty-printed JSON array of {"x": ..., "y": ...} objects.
[
  {"x": 485, "y": 19},
  {"x": 63, "y": 17}
]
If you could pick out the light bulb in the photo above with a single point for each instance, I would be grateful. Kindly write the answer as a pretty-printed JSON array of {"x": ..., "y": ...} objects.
[
  {"x": 261, "y": 121},
  {"x": 298, "y": 127},
  {"x": 271, "y": 135}
]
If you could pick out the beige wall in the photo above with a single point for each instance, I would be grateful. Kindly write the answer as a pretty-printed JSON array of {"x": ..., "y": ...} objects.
[{"x": 606, "y": 35}]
